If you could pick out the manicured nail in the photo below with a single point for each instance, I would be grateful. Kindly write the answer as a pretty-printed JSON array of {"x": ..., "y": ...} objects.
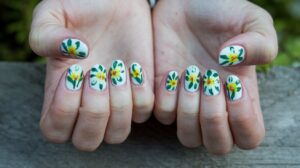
[
  {"x": 232, "y": 55},
  {"x": 98, "y": 77},
  {"x": 74, "y": 77},
  {"x": 192, "y": 78},
  {"x": 136, "y": 73},
  {"x": 234, "y": 87},
  {"x": 211, "y": 83},
  {"x": 172, "y": 81},
  {"x": 117, "y": 73},
  {"x": 74, "y": 48}
]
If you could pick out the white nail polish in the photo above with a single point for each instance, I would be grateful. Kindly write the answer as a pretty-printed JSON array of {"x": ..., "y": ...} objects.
[
  {"x": 98, "y": 77},
  {"x": 232, "y": 55},
  {"x": 233, "y": 88},
  {"x": 118, "y": 73},
  {"x": 74, "y": 77},
  {"x": 192, "y": 78},
  {"x": 74, "y": 48}
]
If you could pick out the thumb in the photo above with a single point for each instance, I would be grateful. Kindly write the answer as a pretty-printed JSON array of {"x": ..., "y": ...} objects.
[
  {"x": 49, "y": 36},
  {"x": 256, "y": 45}
]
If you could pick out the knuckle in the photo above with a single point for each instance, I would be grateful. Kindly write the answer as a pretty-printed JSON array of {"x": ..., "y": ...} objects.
[
  {"x": 242, "y": 119},
  {"x": 121, "y": 107},
  {"x": 53, "y": 135},
  {"x": 215, "y": 118},
  {"x": 93, "y": 113},
  {"x": 143, "y": 106}
]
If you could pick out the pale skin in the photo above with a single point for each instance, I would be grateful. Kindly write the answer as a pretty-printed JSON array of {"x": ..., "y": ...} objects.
[{"x": 185, "y": 33}]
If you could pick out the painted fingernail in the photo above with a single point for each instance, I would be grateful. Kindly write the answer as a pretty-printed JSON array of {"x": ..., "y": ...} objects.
[
  {"x": 136, "y": 73},
  {"x": 211, "y": 83},
  {"x": 172, "y": 81},
  {"x": 98, "y": 77},
  {"x": 192, "y": 78},
  {"x": 117, "y": 73},
  {"x": 74, "y": 77},
  {"x": 232, "y": 55},
  {"x": 234, "y": 87},
  {"x": 74, "y": 48}
]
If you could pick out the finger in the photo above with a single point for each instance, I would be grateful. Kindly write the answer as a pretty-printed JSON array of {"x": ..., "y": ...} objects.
[
  {"x": 119, "y": 123},
  {"x": 247, "y": 130},
  {"x": 215, "y": 128},
  {"x": 142, "y": 95},
  {"x": 57, "y": 124},
  {"x": 166, "y": 99},
  {"x": 94, "y": 111},
  {"x": 256, "y": 45},
  {"x": 49, "y": 36},
  {"x": 188, "y": 124}
]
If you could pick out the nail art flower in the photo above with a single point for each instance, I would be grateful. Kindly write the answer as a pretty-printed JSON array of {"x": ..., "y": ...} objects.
[
  {"x": 232, "y": 55},
  {"x": 98, "y": 77},
  {"x": 136, "y": 73},
  {"x": 74, "y": 77},
  {"x": 172, "y": 81},
  {"x": 233, "y": 87},
  {"x": 192, "y": 78},
  {"x": 117, "y": 72},
  {"x": 211, "y": 83},
  {"x": 74, "y": 48}
]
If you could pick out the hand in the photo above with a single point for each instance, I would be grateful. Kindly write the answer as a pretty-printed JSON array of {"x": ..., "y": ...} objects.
[
  {"x": 88, "y": 109},
  {"x": 223, "y": 38}
]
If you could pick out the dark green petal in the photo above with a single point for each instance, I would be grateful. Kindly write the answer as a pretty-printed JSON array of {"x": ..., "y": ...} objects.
[
  {"x": 69, "y": 79},
  {"x": 173, "y": 75},
  {"x": 77, "y": 44},
  {"x": 187, "y": 72},
  {"x": 232, "y": 95},
  {"x": 241, "y": 52},
  {"x": 225, "y": 62},
  {"x": 100, "y": 67},
  {"x": 190, "y": 85},
  {"x": 81, "y": 54},
  {"x": 94, "y": 70},
  {"x": 120, "y": 64},
  {"x": 69, "y": 42},
  {"x": 209, "y": 73},
  {"x": 168, "y": 87},
  {"x": 215, "y": 75},
  {"x": 115, "y": 64},
  {"x": 114, "y": 81},
  {"x": 224, "y": 57},
  {"x": 186, "y": 78},
  {"x": 101, "y": 86},
  {"x": 65, "y": 47},
  {"x": 92, "y": 75},
  {"x": 238, "y": 89},
  {"x": 211, "y": 91}
]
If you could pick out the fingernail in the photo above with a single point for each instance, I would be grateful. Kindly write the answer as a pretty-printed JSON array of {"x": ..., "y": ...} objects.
[
  {"x": 192, "y": 78},
  {"x": 211, "y": 83},
  {"x": 231, "y": 55},
  {"x": 234, "y": 88},
  {"x": 136, "y": 73},
  {"x": 98, "y": 77},
  {"x": 74, "y": 77},
  {"x": 74, "y": 48},
  {"x": 117, "y": 73},
  {"x": 172, "y": 81}
]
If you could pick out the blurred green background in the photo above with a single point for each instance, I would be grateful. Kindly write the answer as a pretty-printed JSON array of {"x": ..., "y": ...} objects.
[{"x": 15, "y": 19}]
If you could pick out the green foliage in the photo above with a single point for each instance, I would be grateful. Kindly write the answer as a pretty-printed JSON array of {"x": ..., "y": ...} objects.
[
  {"x": 15, "y": 20},
  {"x": 286, "y": 14}
]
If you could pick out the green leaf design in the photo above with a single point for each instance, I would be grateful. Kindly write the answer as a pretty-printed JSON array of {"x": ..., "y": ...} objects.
[
  {"x": 232, "y": 49},
  {"x": 81, "y": 54},
  {"x": 69, "y": 79},
  {"x": 209, "y": 73},
  {"x": 173, "y": 75},
  {"x": 101, "y": 87},
  {"x": 232, "y": 96},
  {"x": 114, "y": 81},
  {"x": 100, "y": 67},
  {"x": 217, "y": 88},
  {"x": 230, "y": 79},
  {"x": 225, "y": 62},
  {"x": 195, "y": 86},
  {"x": 65, "y": 47},
  {"x": 94, "y": 69},
  {"x": 224, "y": 57},
  {"x": 190, "y": 85},
  {"x": 139, "y": 80},
  {"x": 77, "y": 43},
  {"x": 240, "y": 58},
  {"x": 120, "y": 64},
  {"x": 69, "y": 42},
  {"x": 241, "y": 52},
  {"x": 238, "y": 89},
  {"x": 211, "y": 92},
  {"x": 120, "y": 79},
  {"x": 92, "y": 75},
  {"x": 186, "y": 78},
  {"x": 187, "y": 72},
  {"x": 133, "y": 67},
  {"x": 115, "y": 65},
  {"x": 176, "y": 78},
  {"x": 168, "y": 87},
  {"x": 215, "y": 75}
]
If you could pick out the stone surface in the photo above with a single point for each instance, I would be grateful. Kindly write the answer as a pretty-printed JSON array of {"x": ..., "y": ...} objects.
[{"x": 149, "y": 144}]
